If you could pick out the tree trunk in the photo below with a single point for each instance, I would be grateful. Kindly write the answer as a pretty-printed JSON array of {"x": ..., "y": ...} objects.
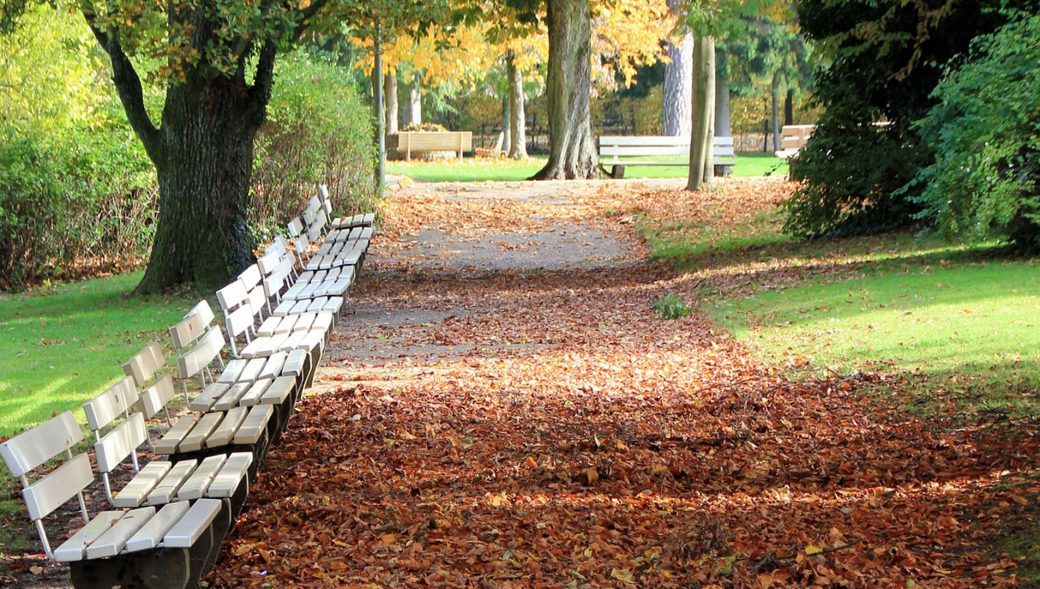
[
  {"x": 204, "y": 172},
  {"x": 703, "y": 108},
  {"x": 377, "y": 105},
  {"x": 507, "y": 124},
  {"x": 415, "y": 101},
  {"x": 678, "y": 83},
  {"x": 722, "y": 118},
  {"x": 518, "y": 134},
  {"x": 572, "y": 146},
  {"x": 774, "y": 119},
  {"x": 390, "y": 98},
  {"x": 789, "y": 107}
]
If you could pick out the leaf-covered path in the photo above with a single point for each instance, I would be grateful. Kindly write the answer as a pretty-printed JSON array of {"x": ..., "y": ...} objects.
[{"x": 504, "y": 409}]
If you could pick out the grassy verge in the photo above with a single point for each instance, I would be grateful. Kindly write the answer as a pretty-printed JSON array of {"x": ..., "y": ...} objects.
[
  {"x": 958, "y": 321},
  {"x": 60, "y": 346},
  {"x": 64, "y": 344},
  {"x": 486, "y": 169}
]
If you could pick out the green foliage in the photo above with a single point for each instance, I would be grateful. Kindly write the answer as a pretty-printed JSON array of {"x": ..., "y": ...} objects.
[
  {"x": 318, "y": 130},
  {"x": 885, "y": 60},
  {"x": 985, "y": 128},
  {"x": 671, "y": 306}
]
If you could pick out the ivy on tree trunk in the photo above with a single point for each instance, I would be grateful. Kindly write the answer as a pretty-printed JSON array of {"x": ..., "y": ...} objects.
[{"x": 572, "y": 146}]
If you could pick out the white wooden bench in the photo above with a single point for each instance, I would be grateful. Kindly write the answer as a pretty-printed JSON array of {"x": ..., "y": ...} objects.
[
  {"x": 344, "y": 222},
  {"x": 612, "y": 148},
  {"x": 171, "y": 546},
  {"x": 409, "y": 142},
  {"x": 793, "y": 138},
  {"x": 223, "y": 476}
]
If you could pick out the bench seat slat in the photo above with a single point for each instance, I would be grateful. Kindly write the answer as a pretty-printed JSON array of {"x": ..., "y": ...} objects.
[
  {"x": 225, "y": 432},
  {"x": 113, "y": 541},
  {"x": 231, "y": 397},
  {"x": 137, "y": 490},
  {"x": 255, "y": 392},
  {"x": 231, "y": 475},
  {"x": 191, "y": 526},
  {"x": 279, "y": 390},
  {"x": 196, "y": 439},
  {"x": 199, "y": 481},
  {"x": 150, "y": 535},
  {"x": 205, "y": 400},
  {"x": 254, "y": 425},
  {"x": 166, "y": 490},
  {"x": 75, "y": 548}
]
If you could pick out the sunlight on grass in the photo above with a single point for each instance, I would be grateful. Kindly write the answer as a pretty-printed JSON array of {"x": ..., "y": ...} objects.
[
  {"x": 972, "y": 328},
  {"x": 64, "y": 344},
  {"x": 507, "y": 170}
]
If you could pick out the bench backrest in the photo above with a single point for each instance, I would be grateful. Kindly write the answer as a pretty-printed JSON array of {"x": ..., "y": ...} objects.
[
  {"x": 615, "y": 146},
  {"x": 206, "y": 341},
  {"x": 418, "y": 141},
  {"x": 794, "y": 137},
  {"x": 26, "y": 452},
  {"x": 144, "y": 367},
  {"x": 113, "y": 402}
]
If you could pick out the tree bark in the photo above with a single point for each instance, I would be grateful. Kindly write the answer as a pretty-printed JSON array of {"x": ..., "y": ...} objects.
[
  {"x": 203, "y": 156},
  {"x": 517, "y": 145},
  {"x": 377, "y": 106},
  {"x": 390, "y": 98},
  {"x": 722, "y": 116},
  {"x": 507, "y": 124},
  {"x": 774, "y": 119},
  {"x": 572, "y": 146},
  {"x": 678, "y": 83},
  {"x": 703, "y": 107},
  {"x": 415, "y": 101},
  {"x": 789, "y": 107}
]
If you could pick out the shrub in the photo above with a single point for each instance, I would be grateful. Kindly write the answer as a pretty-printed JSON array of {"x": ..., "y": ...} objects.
[
  {"x": 318, "y": 130},
  {"x": 985, "y": 128},
  {"x": 671, "y": 306}
]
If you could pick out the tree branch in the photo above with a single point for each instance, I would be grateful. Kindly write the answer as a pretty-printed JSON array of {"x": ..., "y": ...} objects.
[
  {"x": 128, "y": 85},
  {"x": 260, "y": 92}
]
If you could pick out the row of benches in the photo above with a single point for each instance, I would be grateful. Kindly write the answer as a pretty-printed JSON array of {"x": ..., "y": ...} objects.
[{"x": 167, "y": 523}]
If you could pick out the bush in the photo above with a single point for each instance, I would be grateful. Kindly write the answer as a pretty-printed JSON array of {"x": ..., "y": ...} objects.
[
  {"x": 317, "y": 131},
  {"x": 88, "y": 200},
  {"x": 671, "y": 306},
  {"x": 985, "y": 128},
  {"x": 886, "y": 58}
]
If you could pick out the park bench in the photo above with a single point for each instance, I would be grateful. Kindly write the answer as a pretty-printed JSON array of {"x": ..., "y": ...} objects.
[
  {"x": 160, "y": 481},
  {"x": 171, "y": 546},
  {"x": 409, "y": 142},
  {"x": 612, "y": 148},
  {"x": 793, "y": 138},
  {"x": 279, "y": 268},
  {"x": 345, "y": 222}
]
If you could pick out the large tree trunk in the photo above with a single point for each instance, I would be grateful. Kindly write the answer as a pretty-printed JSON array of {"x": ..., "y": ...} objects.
[
  {"x": 204, "y": 174},
  {"x": 390, "y": 98},
  {"x": 774, "y": 119},
  {"x": 701, "y": 156},
  {"x": 517, "y": 145},
  {"x": 572, "y": 147},
  {"x": 415, "y": 101},
  {"x": 678, "y": 83},
  {"x": 203, "y": 156}
]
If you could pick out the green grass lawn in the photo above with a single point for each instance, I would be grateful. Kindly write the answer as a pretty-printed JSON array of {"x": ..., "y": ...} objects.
[
  {"x": 958, "y": 319},
  {"x": 62, "y": 345},
  {"x": 486, "y": 169}
]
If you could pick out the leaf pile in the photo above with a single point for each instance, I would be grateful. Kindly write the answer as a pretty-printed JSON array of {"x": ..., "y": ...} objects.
[{"x": 548, "y": 430}]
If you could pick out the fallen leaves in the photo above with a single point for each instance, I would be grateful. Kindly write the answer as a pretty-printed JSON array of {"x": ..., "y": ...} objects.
[{"x": 546, "y": 430}]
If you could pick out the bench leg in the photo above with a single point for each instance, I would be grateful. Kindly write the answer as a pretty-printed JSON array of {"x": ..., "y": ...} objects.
[
  {"x": 204, "y": 553},
  {"x": 617, "y": 172},
  {"x": 156, "y": 569}
]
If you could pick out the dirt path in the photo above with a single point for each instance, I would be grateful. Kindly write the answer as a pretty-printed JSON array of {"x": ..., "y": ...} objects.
[{"x": 502, "y": 408}]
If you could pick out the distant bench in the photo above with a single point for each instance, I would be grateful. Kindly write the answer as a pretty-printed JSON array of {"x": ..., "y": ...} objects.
[
  {"x": 409, "y": 142},
  {"x": 793, "y": 138},
  {"x": 616, "y": 147}
]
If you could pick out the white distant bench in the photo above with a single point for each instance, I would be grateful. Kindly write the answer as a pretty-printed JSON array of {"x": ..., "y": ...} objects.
[
  {"x": 409, "y": 142},
  {"x": 612, "y": 148},
  {"x": 793, "y": 138}
]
